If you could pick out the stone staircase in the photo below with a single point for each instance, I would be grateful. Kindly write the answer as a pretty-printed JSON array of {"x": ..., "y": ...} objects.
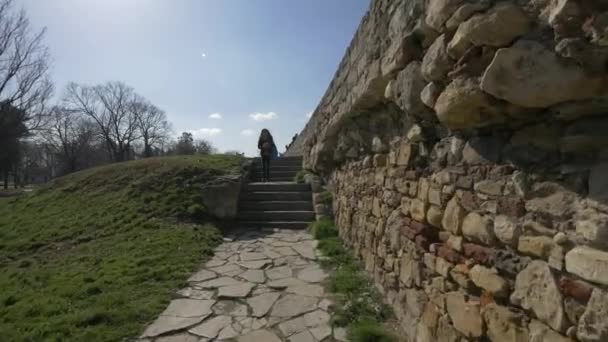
[{"x": 280, "y": 203}]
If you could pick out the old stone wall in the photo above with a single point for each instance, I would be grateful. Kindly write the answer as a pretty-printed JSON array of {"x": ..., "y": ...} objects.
[{"x": 466, "y": 147}]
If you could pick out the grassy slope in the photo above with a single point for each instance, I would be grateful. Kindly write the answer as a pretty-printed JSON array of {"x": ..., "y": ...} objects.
[{"x": 97, "y": 254}]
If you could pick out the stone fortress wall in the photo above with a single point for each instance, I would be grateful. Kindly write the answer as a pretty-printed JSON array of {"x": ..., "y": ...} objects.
[{"x": 466, "y": 146}]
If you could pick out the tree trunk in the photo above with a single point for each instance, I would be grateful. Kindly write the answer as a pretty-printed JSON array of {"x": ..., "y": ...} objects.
[{"x": 5, "y": 174}]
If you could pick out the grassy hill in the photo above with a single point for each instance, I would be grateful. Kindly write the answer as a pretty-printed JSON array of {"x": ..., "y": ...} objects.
[{"x": 96, "y": 255}]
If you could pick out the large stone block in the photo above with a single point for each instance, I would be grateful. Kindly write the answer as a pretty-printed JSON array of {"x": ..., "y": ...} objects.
[
  {"x": 222, "y": 197},
  {"x": 529, "y": 75},
  {"x": 478, "y": 228},
  {"x": 418, "y": 210},
  {"x": 542, "y": 333},
  {"x": 439, "y": 11},
  {"x": 588, "y": 263},
  {"x": 463, "y": 104},
  {"x": 504, "y": 324},
  {"x": 410, "y": 271},
  {"x": 536, "y": 290},
  {"x": 507, "y": 230},
  {"x": 465, "y": 315},
  {"x": 539, "y": 246},
  {"x": 453, "y": 216},
  {"x": 489, "y": 280},
  {"x": 498, "y": 27},
  {"x": 434, "y": 216},
  {"x": 593, "y": 325},
  {"x": 436, "y": 63},
  {"x": 406, "y": 89}
]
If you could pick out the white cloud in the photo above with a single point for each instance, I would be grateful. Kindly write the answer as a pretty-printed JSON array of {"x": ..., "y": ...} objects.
[
  {"x": 206, "y": 132},
  {"x": 263, "y": 116},
  {"x": 216, "y": 116},
  {"x": 247, "y": 132},
  {"x": 309, "y": 114}
]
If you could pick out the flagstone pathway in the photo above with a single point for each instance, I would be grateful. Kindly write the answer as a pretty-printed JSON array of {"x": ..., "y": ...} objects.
[{"x": 260, "y": 286}]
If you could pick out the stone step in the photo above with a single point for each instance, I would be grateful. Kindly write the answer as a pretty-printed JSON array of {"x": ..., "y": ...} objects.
[
  {"x": 273, "y": 179},
  {"x": 277, "y": 186},
  {"x": 274, "y": 224},
  {"x": 276, "y": 205},
  {"x": 276, "y": 196},
  {"x": 277, "y": 168},
  {"x": 282, "y": 174},
  {"x": 279, "y": 162},
  {"x": 282, "y": 159},
  {"x": 275, "y": 215}
]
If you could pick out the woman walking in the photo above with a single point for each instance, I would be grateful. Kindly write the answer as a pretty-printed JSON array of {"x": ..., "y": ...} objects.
[{"x": 266, "y": 146}]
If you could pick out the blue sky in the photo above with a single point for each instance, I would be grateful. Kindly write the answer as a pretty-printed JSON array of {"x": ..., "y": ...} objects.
[{"x": 258, "y": 63}]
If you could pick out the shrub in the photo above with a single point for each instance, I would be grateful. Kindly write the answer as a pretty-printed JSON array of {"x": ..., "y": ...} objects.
[
  {"x": 369, "y": 331},
  {"x": 326, "y": 197},
  {"x": 299, "y": 178},
  {"x": 323, "y": 229}
]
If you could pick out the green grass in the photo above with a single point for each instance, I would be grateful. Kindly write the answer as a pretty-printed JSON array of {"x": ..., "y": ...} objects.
[
  {"x": 96, "y": 255},
  {"x": 359, "y": 306}
]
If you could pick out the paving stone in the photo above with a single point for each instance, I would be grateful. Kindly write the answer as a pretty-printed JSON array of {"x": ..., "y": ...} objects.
[
  {"x": 321, "y": 332},
  {"x": 325, "y": 304},
  {"x": 289, "y": 301},
  {"x": 211, "y": 327},
  {"x": 228, "y": 270},
  {"x": 255, "y": 265},
  {"x": 316, "y": 318},
  {"x": 202, "y": 275},
  {"x": 294, "y": 260},
  {"x": 280, "y": 243},
  {"x": 215, "y": 263},
  {"x": 178, "y": 338},
  {"x": 227, "y": 333},
  {"x": 270, "y": 253},
  {"x": 188, "y": 308},
  {"x": 291, "y": 237},
  {"x": 193, "y": 293},
  {"x": 259, "y": 323},
  {"x": 279, "y": 272},
  {"x": 166, "y": 324},
  {"x": 222, "y": 255},
  {"x": 293, "y": 305},
  {"x": 286, "y": 251},
  {"x": 261, "y": 289},
  {"x": 306, "y": 251},
  {"x": 312, "y": 274},
  {"x": 235, "y": 291},
  {"x": 218, "y": 282},
  {"x": 254, "y": 276},
  {"x": 259, "y": 336},
  {"x": 284, "y": 283},
  {"x": 292, "y": 326},
  {"x": 304, "y": 336},
  {"x": 252, "y": 256},
  {"x": 310, "y": 290},
  {"x": 230, "y": 308},
  {"x": 260, "y": 305}
]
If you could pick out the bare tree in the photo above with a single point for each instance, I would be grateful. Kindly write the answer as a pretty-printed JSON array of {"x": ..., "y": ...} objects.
[
  {"x": 204, "y": 147},
  {"x": 110, "y": 107},
  {"x": 24, "y": 66},
  {"x": 69, "y": 136},
  {"x": 152, "y": 124}
]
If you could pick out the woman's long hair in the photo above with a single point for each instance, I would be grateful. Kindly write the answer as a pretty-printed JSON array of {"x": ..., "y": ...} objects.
[{"x": 265, "y": 136}]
